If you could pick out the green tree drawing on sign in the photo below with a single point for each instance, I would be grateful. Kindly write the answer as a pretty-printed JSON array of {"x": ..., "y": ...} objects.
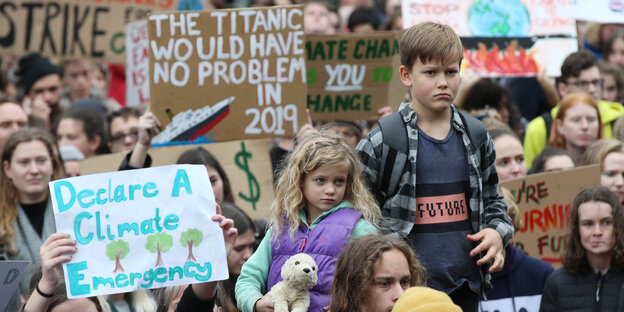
[
  {"x": 117, "y": 250},
  {"x": 190, "y": 238},
  {"x": 159, "y": 243}
]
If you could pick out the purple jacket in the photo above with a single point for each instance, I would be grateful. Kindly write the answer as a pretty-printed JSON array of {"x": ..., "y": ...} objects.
[{"x": 324, "y": 244}]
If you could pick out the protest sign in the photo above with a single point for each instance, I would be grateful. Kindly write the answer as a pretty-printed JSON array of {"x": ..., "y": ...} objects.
[
  {"x": 231, "y": 74},
  {"x": 351, "y": 76},
  {"x": 545, "y": 200},
  {"x": 139, "y": 229},
  {"x": 246, "y": 163},
  {"x": 92, "y": 29},
  {"x": 603, "y": 11},
  {"x": 10, "y": 276},
  {"x": 137, "y": 64},
  {"x": 504, "y": 37}
]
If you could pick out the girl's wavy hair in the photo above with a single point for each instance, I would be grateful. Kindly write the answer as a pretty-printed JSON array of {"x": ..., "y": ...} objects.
[
  {"x": 324, "y": 148},
  {"x": 557, "y": 139},
  {"x": 8, "y": 192},
  {"x": 355, "y": 270},
  {"x": 575, "y": 257}
]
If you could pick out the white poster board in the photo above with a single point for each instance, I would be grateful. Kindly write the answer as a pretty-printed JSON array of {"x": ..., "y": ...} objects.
[
  {"x": 139, "y": 229},
  {"x": 137, "y": 64},
  {"x": 604, "y": 11}
]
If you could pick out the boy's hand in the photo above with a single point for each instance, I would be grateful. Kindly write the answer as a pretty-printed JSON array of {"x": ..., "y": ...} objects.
[
  {"x": 148, "y": 128},
  {"x": 492, "y": 242}
]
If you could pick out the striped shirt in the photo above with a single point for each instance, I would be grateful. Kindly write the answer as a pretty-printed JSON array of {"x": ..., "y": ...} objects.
[{"x": 487, "y": 208}]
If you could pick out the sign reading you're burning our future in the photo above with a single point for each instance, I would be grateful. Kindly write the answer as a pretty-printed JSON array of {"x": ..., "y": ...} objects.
[
  {"x": 227, "y": 74},
  {"x": 139, "y": 229}
]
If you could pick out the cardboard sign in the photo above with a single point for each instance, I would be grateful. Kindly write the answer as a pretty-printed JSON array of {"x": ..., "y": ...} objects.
[
  {"x": 139, "y": 229},
  {"x": 232, "y": 74},
  {"x": 137, "y": 64},
  {"x": 10, "y": 276},
  {"x": 91, "y": 29},
  {"x": 503, "y": 37},
  {"x": 351, "y": 76},
  {"x": 545, "y": 200},
  {"x": 604, "y": 11},
  {"x": 246, "y": 163}
]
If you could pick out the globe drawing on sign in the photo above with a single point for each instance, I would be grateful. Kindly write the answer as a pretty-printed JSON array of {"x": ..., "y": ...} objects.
[
  {"x": 190, "y": 5},
  {"x": 499, "y": 18}
]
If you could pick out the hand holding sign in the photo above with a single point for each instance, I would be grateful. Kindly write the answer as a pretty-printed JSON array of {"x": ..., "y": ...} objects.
[
  {"x": 55, "y": 251},
  {"x": 206, "y": 291}
]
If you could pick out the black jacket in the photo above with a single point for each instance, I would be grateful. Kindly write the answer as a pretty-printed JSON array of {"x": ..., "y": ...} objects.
[{"x": 584, "y": 291}]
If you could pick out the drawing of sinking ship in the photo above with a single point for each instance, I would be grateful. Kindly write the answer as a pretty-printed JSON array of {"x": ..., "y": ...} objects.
[{"x": 190, "y": 124}]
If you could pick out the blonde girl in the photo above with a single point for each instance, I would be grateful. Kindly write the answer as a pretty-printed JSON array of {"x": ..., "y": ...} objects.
[{"x": 321, "y": 204}]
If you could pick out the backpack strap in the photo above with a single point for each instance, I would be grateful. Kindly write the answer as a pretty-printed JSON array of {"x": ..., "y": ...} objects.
[
  {"x": 396, "y": 149},
  {"x": 394, "y": 155},
  {"x": 476, "y": 130}
]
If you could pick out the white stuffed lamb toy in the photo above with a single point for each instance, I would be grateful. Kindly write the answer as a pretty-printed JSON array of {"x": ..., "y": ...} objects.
[{"x": 298, "y": 276}]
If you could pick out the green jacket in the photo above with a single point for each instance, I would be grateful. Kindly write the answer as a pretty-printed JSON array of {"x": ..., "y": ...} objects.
[
  {"x": 252, "y": 281},
  {"x": 535, "y": 140}
]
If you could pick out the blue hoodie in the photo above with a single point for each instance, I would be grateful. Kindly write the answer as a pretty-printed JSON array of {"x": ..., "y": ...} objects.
[{"x": 519, "y": 285}]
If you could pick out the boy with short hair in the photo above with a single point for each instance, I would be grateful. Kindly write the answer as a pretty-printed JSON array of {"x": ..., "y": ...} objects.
[{"x": 447, "y": 204}]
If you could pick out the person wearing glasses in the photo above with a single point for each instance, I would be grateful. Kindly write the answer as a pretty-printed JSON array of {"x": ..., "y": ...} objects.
[
  {"x": 123, "y": 129},
  {"x": 579, "y": 73}
]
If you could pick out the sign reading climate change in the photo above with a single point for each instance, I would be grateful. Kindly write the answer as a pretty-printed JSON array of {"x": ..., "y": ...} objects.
[
  {"x": 139, "y": 229},
  {"x": 351, "y": 76},
  {"x": 229, "y": 74}
]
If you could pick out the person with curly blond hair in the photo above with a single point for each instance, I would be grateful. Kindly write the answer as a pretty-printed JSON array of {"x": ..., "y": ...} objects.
[{"x": 321, "y": 204}]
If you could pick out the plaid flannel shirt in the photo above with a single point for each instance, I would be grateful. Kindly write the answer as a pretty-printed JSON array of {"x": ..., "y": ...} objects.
[{"x": 399, "y": 212}]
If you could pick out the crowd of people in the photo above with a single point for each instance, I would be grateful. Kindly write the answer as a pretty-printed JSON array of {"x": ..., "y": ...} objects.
[{"x": 418, "y": 225}]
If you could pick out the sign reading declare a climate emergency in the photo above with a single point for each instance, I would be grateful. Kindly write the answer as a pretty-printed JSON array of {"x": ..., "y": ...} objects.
[
  {"x": 139, "y": 229},
  {"x": 243, "y": 66}
]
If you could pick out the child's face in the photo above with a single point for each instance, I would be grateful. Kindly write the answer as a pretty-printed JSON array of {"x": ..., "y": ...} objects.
[
  {"x": 433, "y": 85},
  {"x": 324, "y": 188},
  {"x": 390, "y": 279}
]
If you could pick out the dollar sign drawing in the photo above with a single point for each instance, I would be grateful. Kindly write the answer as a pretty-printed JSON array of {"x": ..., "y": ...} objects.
[{"x": 254, "y": 188}]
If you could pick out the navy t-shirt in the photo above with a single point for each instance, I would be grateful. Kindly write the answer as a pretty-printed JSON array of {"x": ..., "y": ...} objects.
[{"x": 443, "y": 213}]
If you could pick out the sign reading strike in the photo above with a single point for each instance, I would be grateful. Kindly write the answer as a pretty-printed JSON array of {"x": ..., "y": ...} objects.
[
  {"x": 139, "y": 229},
  {"x": 545, "y": 200},
  {"x": 350, "y": 77},
  {"x": 504, "y": 37},
  {"x": 246, "y": 67},
  {"x": 137, "y": 64},
  {"x": 91, "y": 29}
]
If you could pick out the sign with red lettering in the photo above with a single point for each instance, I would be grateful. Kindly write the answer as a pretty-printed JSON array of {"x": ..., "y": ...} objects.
[
  {"x": 544, "y": 200},
  {"x": 504, "y": 37},
  {"x": 92, "y": 29},
  {"x": 137, "y": 64}
]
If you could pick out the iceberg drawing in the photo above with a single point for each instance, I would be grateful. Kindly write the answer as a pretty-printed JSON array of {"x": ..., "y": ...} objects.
[{"x": 190, "y": 124}]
